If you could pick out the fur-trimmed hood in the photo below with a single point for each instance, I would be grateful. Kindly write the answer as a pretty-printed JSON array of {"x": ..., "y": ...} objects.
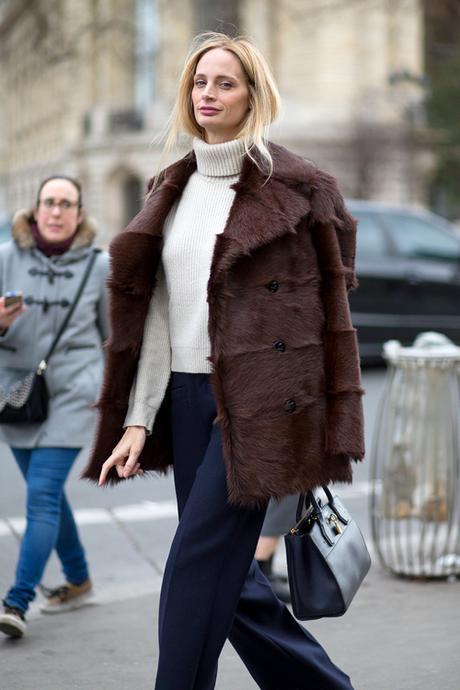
[{"x": 22, "y": 234}]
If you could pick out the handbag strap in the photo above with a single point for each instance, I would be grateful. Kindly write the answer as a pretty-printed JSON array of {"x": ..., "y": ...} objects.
[
  {"x": 313, "y": 514},
  {"x": 333, "y": 505},
  {"x": 44, "y": 363},
  {"x": 313, "y": 508},
  {"x": 308, "y": 501}
]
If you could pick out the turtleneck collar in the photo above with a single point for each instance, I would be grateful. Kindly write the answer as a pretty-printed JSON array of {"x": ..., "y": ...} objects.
[{"x": 219, "y": 160}]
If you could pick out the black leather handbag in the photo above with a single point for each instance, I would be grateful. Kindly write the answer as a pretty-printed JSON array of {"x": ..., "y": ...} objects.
[
  {"x": 24, "y": 396},
  {"x": 327, "y": 557}
]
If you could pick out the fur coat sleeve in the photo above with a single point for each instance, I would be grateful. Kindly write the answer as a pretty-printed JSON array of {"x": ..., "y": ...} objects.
[{"x": 334, "y": 235}]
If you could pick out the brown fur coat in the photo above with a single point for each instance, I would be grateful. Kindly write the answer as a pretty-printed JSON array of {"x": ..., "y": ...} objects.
[{"x": 284, "y": 353}]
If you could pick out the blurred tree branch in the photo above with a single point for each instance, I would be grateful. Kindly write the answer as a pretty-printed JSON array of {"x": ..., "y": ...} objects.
[{"x": 442, "y": 49}]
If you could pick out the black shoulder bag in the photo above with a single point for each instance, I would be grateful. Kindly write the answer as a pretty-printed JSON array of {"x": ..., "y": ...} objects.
[
  {"x": 26, "y": 400},
  {"x": 327, "y": 558}
]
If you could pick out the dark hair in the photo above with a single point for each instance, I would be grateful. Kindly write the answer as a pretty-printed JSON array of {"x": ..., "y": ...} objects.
[{"x": 72, "y": 180}]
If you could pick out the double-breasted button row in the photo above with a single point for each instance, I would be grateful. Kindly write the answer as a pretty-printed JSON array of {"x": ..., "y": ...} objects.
[
  {"x": 273, "y": 286},
  {"x": 290, "y": 405},
  {"x": 279, "y": 345}
]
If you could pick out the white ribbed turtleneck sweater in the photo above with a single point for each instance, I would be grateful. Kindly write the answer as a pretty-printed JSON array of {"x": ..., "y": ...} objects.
[{"x": 176, "y": 328}]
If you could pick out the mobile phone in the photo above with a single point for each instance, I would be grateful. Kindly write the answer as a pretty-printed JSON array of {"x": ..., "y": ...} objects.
[{"x": 13, "y": 298}]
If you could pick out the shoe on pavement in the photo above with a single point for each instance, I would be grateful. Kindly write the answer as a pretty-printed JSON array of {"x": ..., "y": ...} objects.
[
  {"x": 67, "y": 597},
  {"x": 13, "y": 622}
]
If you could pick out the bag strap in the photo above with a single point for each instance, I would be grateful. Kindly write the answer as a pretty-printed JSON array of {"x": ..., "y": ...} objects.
[
  {"x": 307, "y": 500},
  {"x": 44, "y": 363},
  {"x": 313, "y": 514},
  {"x": 313, "y": 511},
  {"x": 333, "y": 505}
]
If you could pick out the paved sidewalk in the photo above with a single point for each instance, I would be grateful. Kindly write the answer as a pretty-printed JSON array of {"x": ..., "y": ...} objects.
[{"x": 398, "y": 635}]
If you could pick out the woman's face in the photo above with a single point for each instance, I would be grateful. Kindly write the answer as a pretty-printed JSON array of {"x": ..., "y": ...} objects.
[
  {"x": 58, "y": 214},
  {"x": 220, "y": 95}
]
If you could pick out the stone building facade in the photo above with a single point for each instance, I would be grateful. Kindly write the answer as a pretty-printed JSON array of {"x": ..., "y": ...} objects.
[{"x": 86, "y": 89}]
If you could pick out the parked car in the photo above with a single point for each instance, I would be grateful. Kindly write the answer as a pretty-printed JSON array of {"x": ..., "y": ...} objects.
[{"x": 408, "y": 267}]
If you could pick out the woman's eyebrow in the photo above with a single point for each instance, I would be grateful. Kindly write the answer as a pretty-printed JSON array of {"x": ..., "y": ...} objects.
[{"x": 219, "y": 76}]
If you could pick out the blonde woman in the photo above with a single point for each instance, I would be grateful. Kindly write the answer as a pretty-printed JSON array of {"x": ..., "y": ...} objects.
[{"x": 233, "y": 360}]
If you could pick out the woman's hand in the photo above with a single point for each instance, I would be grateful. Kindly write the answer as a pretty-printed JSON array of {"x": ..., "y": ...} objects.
[
  {"x": 125, "y": 454},
  {"x": 9, "y": 314}
]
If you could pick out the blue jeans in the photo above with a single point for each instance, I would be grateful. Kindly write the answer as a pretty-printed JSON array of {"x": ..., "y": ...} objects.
[{"x": 50, "y": 523}]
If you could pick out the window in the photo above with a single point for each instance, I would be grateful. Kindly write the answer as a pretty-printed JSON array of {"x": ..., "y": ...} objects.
[
  {"x": 415, "y": 237},
  {"x": 147, "y": 46},
  {"x": 370, "y": 239}
]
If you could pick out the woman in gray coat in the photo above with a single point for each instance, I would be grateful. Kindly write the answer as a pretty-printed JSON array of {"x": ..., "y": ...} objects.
[{"x": 46, "y": 259}]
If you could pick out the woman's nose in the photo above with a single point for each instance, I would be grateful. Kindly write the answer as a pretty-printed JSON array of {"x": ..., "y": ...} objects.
[{"x": 209, "y": 92}]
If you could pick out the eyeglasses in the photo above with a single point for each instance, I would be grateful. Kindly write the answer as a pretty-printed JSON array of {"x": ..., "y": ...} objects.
[{"x": 63, "y": 204}]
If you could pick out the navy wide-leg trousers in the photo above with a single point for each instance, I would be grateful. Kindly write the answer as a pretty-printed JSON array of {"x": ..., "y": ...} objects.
[{"x": 212, "y": 588}]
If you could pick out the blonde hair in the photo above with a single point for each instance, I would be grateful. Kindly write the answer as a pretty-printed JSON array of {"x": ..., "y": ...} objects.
[{"x": 263, "y": 96}]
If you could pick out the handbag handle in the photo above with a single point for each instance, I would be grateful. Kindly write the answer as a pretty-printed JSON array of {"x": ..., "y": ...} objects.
[
  {"x": 309, "y": 499},
  {"x": 313, "y": 512},
  {"x": 44, "y": 363}
]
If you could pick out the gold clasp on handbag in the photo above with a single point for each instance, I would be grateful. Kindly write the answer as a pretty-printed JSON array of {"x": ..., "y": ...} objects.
[
  {"x": 334, "y": 521},
  {"x": 295, "y": 530}
]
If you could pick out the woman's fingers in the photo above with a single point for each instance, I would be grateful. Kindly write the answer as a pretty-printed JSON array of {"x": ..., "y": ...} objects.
[
  {"x": 135, "y": 471},
  {"x": 121, "y": 470},
  {"x": 104, "y": 472},
  {"x": 131, "y": 463},
  {"x": 9, "y": 314},
  {"x": 116, "y": 459},
  {"x": 125, "y": 455}
]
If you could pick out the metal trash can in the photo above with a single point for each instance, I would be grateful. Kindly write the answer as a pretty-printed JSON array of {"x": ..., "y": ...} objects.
[{"x": 415, "y": 460}]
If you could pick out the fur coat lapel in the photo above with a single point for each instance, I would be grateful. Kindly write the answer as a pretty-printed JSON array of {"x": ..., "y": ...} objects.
[{"x": 262, "y": 211}]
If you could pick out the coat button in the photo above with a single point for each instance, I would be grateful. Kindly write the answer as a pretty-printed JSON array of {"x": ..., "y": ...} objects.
[
  {"x": 279, "y": 345},
  {"x": 290, "y": 405},
  {"x": 273, "y": 286}
]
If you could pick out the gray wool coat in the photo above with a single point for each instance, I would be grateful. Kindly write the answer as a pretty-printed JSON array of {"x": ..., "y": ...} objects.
[{"x": 75, "y": 369}]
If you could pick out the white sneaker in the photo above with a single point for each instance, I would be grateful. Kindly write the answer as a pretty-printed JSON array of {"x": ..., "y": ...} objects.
[
  {"x": 68, "y": 597},
  {"x": 12, "y": 622}
]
